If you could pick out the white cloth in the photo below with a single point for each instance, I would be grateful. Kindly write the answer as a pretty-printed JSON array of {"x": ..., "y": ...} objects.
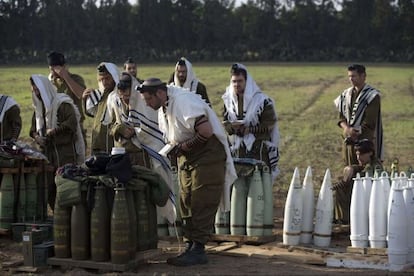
[
  {"x": 253, "y": 105},
  {"x": 191, "y": 80},
  {"x": 354, "y": 114},
  {"x": 147, "y": 136},
  {"x": 8, "y": 103},
  {"x": 95, "y": 97},
  {"x": 178, "y": 126},
  {"x": 51, "y": 101}
]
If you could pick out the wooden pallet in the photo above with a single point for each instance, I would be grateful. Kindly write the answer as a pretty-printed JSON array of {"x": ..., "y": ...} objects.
[
  {"x": 367, "y": 250},
  {"x": 141, "y": 258},
  {"x": 243, "y": 239}
]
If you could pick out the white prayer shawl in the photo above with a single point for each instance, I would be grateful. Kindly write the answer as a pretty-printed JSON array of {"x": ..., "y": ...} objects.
[
  {"x": 95, "y": 97},
  {"x": 6, "y": 102},
  {"x": 178, "y": 126},
  {"x": 144, "y": 120},
  {"x": 253, "y": 105},
  {"x": 191, "y": 81},
  {"x": 51, "y": 102},
  {"x": 354, "y": 114}
]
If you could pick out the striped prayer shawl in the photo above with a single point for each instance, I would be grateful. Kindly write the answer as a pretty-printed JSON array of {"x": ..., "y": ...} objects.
[{"x": 354, "y": 114}]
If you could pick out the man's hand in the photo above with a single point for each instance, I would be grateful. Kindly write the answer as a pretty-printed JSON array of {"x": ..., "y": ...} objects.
[
  {"x": 128, "y": 132},
  {"x": 87, "y": 92},
  {"x": 240, "y": 130},
  {"x": 352, "y": 133},
  {"x": 60, "y": 71}
]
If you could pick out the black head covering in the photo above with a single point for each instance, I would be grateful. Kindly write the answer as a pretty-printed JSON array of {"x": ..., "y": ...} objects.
[
  {"x": 150, "y": 85},
  {"x": 102, "y": 69},
  {"x": 124, "y": 81},
  {"x": 55, "y": 58},
  {"x": 129, "y": 60}
]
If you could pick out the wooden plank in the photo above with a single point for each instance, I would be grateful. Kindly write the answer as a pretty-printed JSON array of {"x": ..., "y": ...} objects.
[
  {"x": 367, "y": 250},
  {"x": 5, "y": 232},
  {"x": 243, "y": 238},
  {"x": 28, "y": 269},
  {"x": 141, "y": 258},
  {"x": 352, "y": 261},
  {"x": 222, "y": 247},
  {"x": 9, "y": 170},
  {"x": 12, "y": 263}
]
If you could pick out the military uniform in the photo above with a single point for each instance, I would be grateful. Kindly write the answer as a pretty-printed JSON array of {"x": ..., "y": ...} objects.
[
  {"x": 62, "y": 87},
  {"x": 343, "y": 193},
  {"x": 266, "y": 121},
  {"x": 368, "y": 127},
  {"x": 60, "y": 147},
  {"x": 102, "y": 140}
]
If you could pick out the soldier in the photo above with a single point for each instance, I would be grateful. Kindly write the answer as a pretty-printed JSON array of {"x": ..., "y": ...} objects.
[
  {"x": 95, "y": 103},
  {"x": 250, "y": 120},
  {"x": 72, "y": 85},
  {"x": 205, "y": 165},
  {"x": 359, "y": 108},
  {"x": 55, "y": 128},
  {"x": 185, "y": 77},
  {"x": 368, "y": 163}
]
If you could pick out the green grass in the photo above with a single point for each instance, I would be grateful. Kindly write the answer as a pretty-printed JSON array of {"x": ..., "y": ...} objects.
[{"x": 304, "y": 95}]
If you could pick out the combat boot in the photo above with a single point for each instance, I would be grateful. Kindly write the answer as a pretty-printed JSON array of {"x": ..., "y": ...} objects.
[
  {"x": 196, "y": 255},
  {"x": 188, "y": 245}
]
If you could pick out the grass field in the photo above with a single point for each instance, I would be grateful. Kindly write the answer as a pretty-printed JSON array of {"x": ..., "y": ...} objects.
[{"x": 304, "y": 95}]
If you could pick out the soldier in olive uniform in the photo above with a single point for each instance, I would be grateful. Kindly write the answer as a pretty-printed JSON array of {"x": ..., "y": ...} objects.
[
  {"x": 55, "y": 128},
  {"x": 72, "y": 85},
  {"x": 205, "y": 165},
  {"x": 95, "y": 104},
  {"x": 359, "y": 115},
  {"x": 250, "y": 120},
  {"x": 185, "y": 77},
  {"x": 368, "y": 163}
]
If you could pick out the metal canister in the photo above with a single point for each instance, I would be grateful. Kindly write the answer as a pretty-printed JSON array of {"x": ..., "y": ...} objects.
[
  {"x": 31, "y": 196},
  {"x": 6, "y": 201},
  {"x": 80, "y": 244},
  {"x": 238, "y": 207},
  {"x": 152, "y": 222},
  {"x": 133, "y": 223},
  {"x": 61, "y": 230},
  {"x": 255, "y": 205},
  {"x": 268, "y": 201},
  {"x": 21, "y": 205},
  {"x": 100, "y": 226},
  {"x": 120, "y": 229},
  {"x": 142, "y": 219}
]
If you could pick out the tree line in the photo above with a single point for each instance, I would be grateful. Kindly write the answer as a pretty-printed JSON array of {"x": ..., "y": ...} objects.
[{"x": 88, "y": 31}]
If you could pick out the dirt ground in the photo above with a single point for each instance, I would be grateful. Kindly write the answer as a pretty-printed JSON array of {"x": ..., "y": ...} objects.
[{"x": 225, "y": 258}]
